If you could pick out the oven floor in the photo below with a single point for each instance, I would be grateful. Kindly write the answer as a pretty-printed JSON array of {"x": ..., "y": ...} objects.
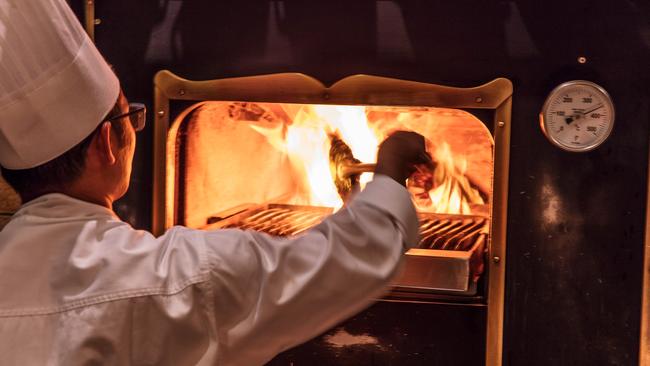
[{"x": 398, "y": 333}]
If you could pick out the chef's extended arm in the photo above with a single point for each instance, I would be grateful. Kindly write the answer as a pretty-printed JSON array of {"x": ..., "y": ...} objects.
[{"x": 272, "y": 293}]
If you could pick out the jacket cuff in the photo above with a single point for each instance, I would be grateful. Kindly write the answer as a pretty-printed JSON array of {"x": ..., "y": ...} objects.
[{"x": 389, "y": 196}]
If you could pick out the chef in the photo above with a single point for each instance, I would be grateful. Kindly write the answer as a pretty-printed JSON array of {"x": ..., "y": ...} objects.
[{"x": 80, "y": 286}]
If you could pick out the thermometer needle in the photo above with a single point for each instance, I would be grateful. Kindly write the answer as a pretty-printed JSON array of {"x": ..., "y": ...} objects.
[
  {"x": 593, "y": 109},
  {"x": 579, "y": 115}
]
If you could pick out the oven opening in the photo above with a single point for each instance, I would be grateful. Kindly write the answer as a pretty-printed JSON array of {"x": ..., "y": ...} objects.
[{"x": 280, "y": 168}]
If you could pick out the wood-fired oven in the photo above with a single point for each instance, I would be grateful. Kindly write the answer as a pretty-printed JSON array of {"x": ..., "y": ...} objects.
[{"x": 277, "y": 153}]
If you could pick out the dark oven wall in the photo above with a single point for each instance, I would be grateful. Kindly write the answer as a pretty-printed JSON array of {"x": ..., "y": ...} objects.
[{"x": 576, "y": 221}]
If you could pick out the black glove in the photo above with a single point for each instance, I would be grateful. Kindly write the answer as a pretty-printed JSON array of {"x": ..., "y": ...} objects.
[{"x": 399, "y": 154}]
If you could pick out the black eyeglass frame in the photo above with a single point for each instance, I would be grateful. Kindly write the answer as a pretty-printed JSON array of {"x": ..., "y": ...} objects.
[{"x": 140, "y": 112}]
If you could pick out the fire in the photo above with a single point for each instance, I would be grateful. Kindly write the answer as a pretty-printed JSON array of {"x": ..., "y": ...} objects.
[
  {"x": 306, "y": 142},
  {"x": 308, "y": 150},
  {"x": 308, "y": 145},
  {"x": 453, "y": 192},
  {"x": 351, "y": 124}
]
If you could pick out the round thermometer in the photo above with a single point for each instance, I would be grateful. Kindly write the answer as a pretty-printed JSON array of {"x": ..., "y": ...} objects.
[{"x": 577, "y": 116}]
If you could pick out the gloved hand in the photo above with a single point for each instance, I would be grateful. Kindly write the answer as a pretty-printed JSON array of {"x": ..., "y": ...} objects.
[{"x": 399, "y": 154}]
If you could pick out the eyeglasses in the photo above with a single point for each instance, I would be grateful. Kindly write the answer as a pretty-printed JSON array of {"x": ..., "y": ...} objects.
[{"x": 137, "y": 116}]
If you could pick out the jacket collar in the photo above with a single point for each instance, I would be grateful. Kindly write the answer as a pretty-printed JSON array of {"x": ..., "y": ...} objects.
[{"x": 61, "y": 205}]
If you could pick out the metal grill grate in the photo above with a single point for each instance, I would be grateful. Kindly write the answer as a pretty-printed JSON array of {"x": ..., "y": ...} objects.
[
  {"x": 437, "y": 231},
  {"x": 282, "y": 221},
  {"x": 451, "y": 233}
]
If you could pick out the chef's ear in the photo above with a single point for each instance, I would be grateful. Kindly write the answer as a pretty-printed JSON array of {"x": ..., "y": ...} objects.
[{"x": 102, "y": 147}]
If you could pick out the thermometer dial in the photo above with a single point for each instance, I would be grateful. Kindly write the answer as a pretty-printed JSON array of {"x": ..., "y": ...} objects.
[{"x": 577, "y": 116}]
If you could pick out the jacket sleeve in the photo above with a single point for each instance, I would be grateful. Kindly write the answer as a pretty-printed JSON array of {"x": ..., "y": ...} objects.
[{"x": 270, "y": 294}]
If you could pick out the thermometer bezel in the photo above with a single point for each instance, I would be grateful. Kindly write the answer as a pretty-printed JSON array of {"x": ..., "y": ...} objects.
[{"x": 581, "y": 84}]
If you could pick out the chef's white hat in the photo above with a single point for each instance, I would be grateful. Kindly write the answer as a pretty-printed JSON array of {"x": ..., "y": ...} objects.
[{"x": 55, "y": 87}]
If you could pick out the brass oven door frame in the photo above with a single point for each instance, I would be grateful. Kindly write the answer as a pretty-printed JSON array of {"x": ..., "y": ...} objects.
[
  {"x": 354, "y": 90},
  {"x": 644, "y": 337},
  {"x": 89, "y": 18}
]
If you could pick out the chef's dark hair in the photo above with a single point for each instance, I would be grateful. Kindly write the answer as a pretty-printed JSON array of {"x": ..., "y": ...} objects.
[{"x": 60, "y": 172}]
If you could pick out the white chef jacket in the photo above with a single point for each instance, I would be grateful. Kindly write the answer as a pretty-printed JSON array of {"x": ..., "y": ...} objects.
[{"x": 78, "y": 286}]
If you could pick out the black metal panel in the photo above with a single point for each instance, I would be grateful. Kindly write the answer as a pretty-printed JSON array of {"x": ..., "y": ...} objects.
[
  {"x": 577, "y": 220},
  {"x": 404, "y": 334},
  {"x": 575, "y": 229}
]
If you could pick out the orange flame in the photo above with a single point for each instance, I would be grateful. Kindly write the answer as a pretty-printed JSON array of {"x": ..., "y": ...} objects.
[
  {"x": 306, "y": 142},
  {"x": 453, "y": 192},
  {"x": 308, "y": 147},
  {"x": 308, "y": 150}
]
